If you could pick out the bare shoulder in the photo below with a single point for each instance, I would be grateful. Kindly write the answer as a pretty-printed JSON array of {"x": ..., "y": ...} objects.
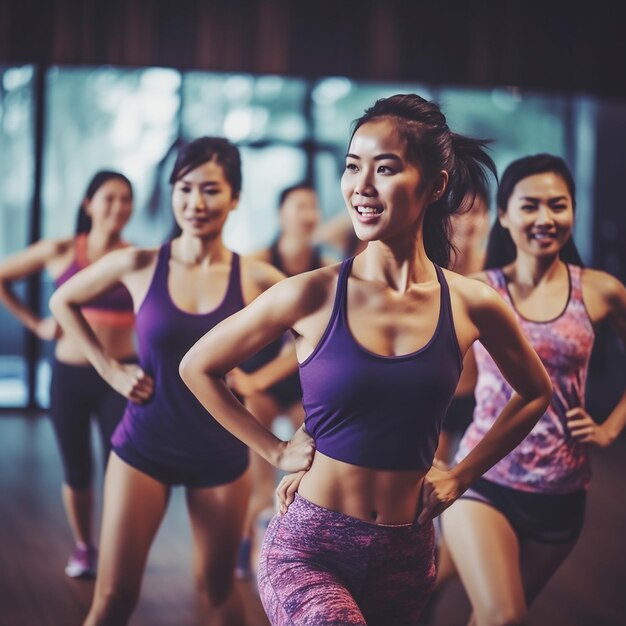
[
  {"x": 305, "y": 293},
  {"x": 260, "y": 255},
  {"x": 130, "y": 258},
  {"x": 51, "y": 250},
  {"x": 55, "y": 247},
  {"x": 474, "y": 290},
  {"x": 50, "y": 254},
  {"x": 603, "y": 285}
]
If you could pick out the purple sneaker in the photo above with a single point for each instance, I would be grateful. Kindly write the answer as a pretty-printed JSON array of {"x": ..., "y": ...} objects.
[{"x": 82, "y": 563}]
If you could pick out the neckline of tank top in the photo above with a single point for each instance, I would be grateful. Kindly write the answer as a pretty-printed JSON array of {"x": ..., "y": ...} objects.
[
  {"x": 164, "y": 257},
  {"x": 340, "y": 309},
  {"x": 277, "y": 261},
  {"x": 80, "y": 255},
  {"x": 570, "y": 289},
  {"x": 80, "y": 260}
]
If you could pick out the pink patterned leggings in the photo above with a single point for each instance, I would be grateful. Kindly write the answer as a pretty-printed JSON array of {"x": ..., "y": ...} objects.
[{"x": 322, "y": 568}]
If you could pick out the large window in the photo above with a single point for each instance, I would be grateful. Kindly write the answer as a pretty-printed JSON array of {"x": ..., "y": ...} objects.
[
  {"x": 288, "y": 129},
  {"x": 16, "y": 195}
]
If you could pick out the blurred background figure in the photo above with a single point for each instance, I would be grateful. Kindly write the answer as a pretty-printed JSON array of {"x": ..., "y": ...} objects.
[
  {"x": 77, "y": 392},
  {"x": 469, "y": 238},
  {"x": 270, "y": 382}
]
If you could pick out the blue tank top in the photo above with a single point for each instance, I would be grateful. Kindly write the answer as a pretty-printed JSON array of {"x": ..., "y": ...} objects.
[
  {"x": 173, "y": 427},
  {"x": 380, "y": 412}
]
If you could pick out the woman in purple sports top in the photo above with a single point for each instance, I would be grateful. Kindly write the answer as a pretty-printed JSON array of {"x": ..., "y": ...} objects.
[
  {"x": 380, "y": 339},
  {"x": 166, "y": 438},
  {"x": 515, "y": 526}
]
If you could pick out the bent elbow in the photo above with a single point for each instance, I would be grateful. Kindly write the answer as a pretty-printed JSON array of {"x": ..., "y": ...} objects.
[
  {"x": 546, "y": 396},
  {"x": 187, "y": 368},
  {"x": 55, "y": 303}
]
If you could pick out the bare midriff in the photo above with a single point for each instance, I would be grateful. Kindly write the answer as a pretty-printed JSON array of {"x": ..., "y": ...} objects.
[
  {"x": 116, "y": 340},
  {"x": 375, "y": 496}
]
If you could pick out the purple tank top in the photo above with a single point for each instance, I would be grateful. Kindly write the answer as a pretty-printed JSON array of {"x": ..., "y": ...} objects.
[
  {"x": 173, "y": 428},
  {"x": 114, "y": 307},
  {"x": 380, "y": 412},
  {"x": 549, "y": 459}
]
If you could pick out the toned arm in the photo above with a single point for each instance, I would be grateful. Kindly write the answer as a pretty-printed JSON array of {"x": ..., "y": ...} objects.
[
  {"x": 26, "y": 263},
  {"x": 605, "y": 299},
  {"x": 501, "y": 335},
  {"x": 129, "y": 266},
  {"x": 237, "y": 338}
]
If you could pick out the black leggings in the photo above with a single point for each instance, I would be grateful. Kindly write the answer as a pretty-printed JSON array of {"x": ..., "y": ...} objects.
[{"x": 78, "y": 392}]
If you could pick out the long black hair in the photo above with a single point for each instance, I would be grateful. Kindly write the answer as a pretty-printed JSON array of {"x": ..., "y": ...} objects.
[
  {"x": 500, "y": 248},
  {"x": 84, "y": 221},
  {"x": 192, "y": 154},
  {"x": 434, "y": 147}
]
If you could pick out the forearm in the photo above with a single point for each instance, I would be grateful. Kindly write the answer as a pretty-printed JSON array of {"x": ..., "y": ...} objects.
[
  {"x": 213, "y": 393},
  {"x": 512, "y": 425},
  {"x": 17, "y": 308},
  {"x": 75, "y": 326}
]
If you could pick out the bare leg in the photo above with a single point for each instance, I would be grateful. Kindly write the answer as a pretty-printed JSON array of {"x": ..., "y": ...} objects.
[
  {"x": 217, "y": 516},
  {"x": 79, "y": 510},
  {"x": 486, "y": 552},
  {"x": 134, "y": 505},
  {"x": 446, "y": 569}
]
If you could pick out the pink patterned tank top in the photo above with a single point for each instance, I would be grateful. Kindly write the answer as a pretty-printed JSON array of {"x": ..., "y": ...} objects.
[{"x": 548, "y": 460}]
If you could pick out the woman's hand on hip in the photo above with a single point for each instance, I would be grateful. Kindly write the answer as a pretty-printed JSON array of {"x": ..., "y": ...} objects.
[
  {"x": 297, "y": 453},
  {"x": 439, "y": 490},
  {"x": 130, "y": 381}
]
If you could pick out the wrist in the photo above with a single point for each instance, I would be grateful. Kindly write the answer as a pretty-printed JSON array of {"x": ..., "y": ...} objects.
[
  {"x": 276, "y": 452},
  {"x": 105, "y": 365},
  {"x": 462, "y": 476},
  {"x": 609, "y": 435}
]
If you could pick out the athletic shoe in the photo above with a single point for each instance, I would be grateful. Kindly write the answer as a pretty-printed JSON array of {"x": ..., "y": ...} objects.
[{"x": 82, "y": 563}]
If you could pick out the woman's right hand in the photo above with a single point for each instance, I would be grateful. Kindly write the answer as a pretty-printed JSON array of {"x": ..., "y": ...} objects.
[
  {"x": 48, "y": 329},
  {"x": 296, "y": 454},
  {"x": 286, "y": 490},
  {"x": 130, "y": 381}
]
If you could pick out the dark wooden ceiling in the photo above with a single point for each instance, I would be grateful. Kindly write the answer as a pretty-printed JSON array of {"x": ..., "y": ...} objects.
[{"x": 554, "y": 45}]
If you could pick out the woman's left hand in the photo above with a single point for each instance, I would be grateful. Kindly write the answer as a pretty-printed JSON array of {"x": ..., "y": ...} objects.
[
  {"x": 584, "y": 428},
  {"x": 286, "y": 490},
  {"x": 439, "y": 491}
]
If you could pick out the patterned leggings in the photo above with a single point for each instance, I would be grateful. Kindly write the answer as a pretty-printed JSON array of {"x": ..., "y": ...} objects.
[{"x": 319, "y": 567}]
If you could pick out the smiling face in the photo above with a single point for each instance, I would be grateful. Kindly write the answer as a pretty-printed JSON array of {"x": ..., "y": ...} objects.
[
  {"x": 385, "y": 194},
  {"x": 202, "y": 199},
  {"x": 111, "y": 206},
  {"x": 539, "y": 214}
]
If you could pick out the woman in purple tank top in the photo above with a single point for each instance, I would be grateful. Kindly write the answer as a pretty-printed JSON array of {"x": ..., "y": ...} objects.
[
  {"x": 180, "y": 291},
  {"x": 380, "y": 339},
  {"x": 514, "y": 527},
  {"x": 77, "y": 393}
]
